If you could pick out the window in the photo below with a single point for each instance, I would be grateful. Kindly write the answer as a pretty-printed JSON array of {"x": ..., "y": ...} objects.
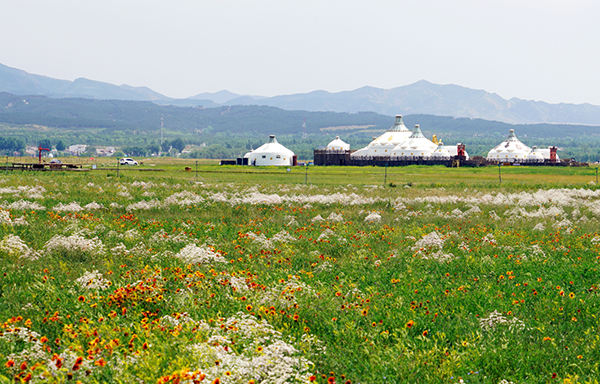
[
  {"x": 278, "y": 156},
  {"x": 264, "y": 156}
]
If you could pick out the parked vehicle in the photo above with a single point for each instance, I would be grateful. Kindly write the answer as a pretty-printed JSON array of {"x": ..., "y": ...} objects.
[{"x": 128, "y": 161}]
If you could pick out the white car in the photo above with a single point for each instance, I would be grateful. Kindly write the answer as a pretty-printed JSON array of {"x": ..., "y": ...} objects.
[{"x": 128, "y": 161}]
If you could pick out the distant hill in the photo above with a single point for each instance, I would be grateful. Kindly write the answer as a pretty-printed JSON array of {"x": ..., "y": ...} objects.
[
  {"x": 419, "y": 98},
  {"x": 19, "y": 82},
  {"x": 443, "y": 100}
]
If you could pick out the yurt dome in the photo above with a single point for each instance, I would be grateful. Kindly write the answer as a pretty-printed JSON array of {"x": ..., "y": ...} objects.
[
  {"x": 383, "y": 145},
  {"x": 417, "y": 145},
  {"x": 270, "y": 153},
  {"x": 510, "y": 150},
  {"x": 441, "y": 152},
  {"x": 535, "y": 155},
  {"x": 338, "y": 145}
]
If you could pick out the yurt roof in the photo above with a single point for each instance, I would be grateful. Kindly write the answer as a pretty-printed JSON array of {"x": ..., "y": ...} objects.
[
  {"x": 417, "y": 141},
  {"x": 272, "y": 146},
  {"x": 440, "y": 151},
  {"x": 338, "y": 144},
  {"x": 535, "y": 154},
  {"x": 395, "y": 135},
  {"x": 510, "y": 148}
]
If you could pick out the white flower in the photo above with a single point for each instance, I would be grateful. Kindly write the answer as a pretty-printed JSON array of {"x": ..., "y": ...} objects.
[
  {"x": 193, "y": 254},
  {"x": 93, "y": 280},
  {"x": 373, "y": 217}
]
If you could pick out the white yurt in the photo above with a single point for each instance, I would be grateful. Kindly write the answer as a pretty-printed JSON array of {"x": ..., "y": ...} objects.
[
  {"x": 535, "y": 156},
  {"x": 510, "y": 150},
  {"x": 383, "y": 145},
  {"x": 270, "y": 153},
  {"x": 416, "y": 146},
  {"x": 441, "y": 152},
  {"x": 338, "y": 145}
]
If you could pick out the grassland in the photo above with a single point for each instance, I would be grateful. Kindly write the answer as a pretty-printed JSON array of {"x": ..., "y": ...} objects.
[{"x": 260, "y": 275}]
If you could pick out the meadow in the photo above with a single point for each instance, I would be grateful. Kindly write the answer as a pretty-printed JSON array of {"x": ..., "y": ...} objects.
[{"x": 322, "y": 275}]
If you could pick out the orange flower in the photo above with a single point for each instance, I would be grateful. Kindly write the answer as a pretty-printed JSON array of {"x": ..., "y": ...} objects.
[
  {"x": 10, "y": 363},
  {"x": 101, "y": 362},
  {"x": 312, "y": 378},
  {"x": 425, "y": 333},
  {"x": 248, "y": 308},
  {"x": 81, "y": 299},
  {"x": 216, "y": 381},
  {"x": 571, "y": 295},
  {"x": 410, "y": 324},
  {"x": 43, "y": 339}
]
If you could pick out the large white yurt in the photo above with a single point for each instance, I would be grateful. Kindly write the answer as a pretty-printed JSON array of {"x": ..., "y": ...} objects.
[
  {"x": 338, "y": 145},
  {"x": 383, "y": 145},
  {"x": 270, "y": 153},
  {"x": 510, "y": 150},
  {"x": 416, "y": 146}
]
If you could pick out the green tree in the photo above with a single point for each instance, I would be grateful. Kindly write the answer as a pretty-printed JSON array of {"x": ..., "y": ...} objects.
[
  {"x": 60, "y": 145},
  {"x": 179, "y": 144},
  {"x": 45, "y": 143}
]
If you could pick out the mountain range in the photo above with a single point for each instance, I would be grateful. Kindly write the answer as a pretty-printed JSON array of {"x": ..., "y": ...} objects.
[{"x": 421, "y": 97}]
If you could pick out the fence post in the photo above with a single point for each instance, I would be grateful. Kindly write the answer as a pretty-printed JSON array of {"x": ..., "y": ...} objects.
[
  {"x": 385, "y": 177},
  {"x": 499, "y": 173}
]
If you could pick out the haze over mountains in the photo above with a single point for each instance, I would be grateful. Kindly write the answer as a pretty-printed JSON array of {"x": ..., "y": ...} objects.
[{"x": 419, "y": 98}]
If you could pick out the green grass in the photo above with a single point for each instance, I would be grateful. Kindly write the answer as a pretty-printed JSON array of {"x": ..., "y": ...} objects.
[{"x": 359, "y": 301}]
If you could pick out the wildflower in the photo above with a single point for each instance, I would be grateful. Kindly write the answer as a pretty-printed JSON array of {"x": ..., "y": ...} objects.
[
  {"x": 364, "y": 312},
  {"x": 10, "y": 363},
  {"x": 248, "y": 308},
  {"x": 410, "y": 324},
  {"x": 571, "y": 295},
  {"x": 23, "y": 366},
  {"x": 425, "y": 333},
  {"x": 81, "y": 299},
  {"x": 464, "y": 343}
]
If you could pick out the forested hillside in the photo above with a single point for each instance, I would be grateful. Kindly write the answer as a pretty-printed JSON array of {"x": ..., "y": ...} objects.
[{"x": 230, "y": 131}]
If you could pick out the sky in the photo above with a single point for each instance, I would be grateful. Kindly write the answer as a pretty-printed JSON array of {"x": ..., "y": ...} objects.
[{"x": 545, "y": 50}]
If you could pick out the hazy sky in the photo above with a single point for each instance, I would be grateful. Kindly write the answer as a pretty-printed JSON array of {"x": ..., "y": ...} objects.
[{"x": 531, "y": 49}]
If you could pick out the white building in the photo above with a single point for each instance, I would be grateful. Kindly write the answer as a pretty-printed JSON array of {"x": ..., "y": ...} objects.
[
  {"x": 510, "y": 150},
  {"x": 384, "y": 144},
  {"x": 270, "y": 153},
  {"x": 338, "y": 145},
  {"x": 77, "y": 149}
]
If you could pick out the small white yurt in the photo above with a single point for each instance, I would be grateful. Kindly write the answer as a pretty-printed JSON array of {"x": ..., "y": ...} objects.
[
  {"x": 510, "y": 150},
  {"x": 383, "y": 145},
  {"x": 441, "y": 152},
  {"x": 270, "y": 153},
  {"x": 416, "y": 146},
  {"x": 535, "y": 156},
  {"x": 338, "y": 145}
]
